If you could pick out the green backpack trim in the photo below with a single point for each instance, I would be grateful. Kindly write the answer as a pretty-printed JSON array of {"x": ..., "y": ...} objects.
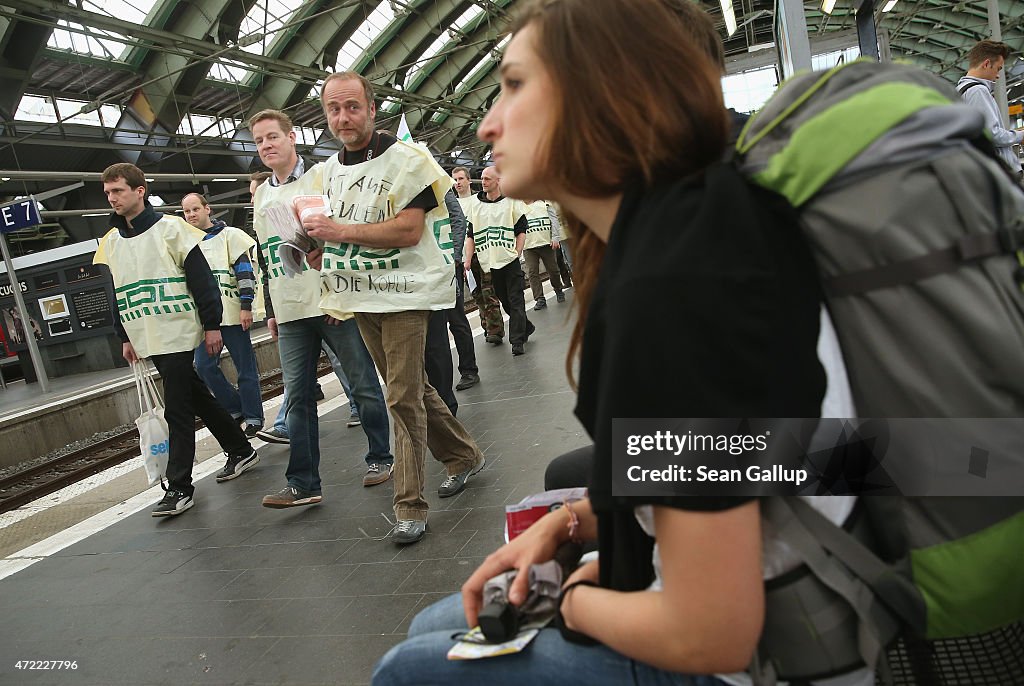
[
  {"x": 743, "y": 145},
  {"x": 815, "y": 154},
  {"x": 964, "y": 572}
]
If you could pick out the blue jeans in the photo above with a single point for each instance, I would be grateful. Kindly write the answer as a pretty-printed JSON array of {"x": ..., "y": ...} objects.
[
  {"x": 245, "y": 402},
  {"x": 281, "y": 421},
  {"x": 281, "y": 424},
  {"x": 299, "y": 342},
  {"x": 549, "y": 659},
  {"x": 339, "y": 371}
]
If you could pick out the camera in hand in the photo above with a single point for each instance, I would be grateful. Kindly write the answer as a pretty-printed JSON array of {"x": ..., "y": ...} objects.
[{"x": 500, "y": 620}]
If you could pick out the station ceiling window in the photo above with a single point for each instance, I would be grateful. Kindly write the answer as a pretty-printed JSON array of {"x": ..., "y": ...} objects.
[
  {"x": 47, "y": 110},
  {"x": 470, "y": 80},
  {"x": 482, "y": 66},
  {"x": 72, "y": 37},
  {"x": 266, "y": 17},
  {"x": 371, "y": 29},
  {"x": 749, "y": 90},
  {"x": 210, "y": 127},
  {"x": 448, "y": 39}
]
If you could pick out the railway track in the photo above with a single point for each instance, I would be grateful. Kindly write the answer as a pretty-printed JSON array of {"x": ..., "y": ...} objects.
[{"x": 31, "y": 484}]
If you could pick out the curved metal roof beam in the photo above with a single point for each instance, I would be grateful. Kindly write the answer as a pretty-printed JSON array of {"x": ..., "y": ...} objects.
[
  {"x": 311, "y": 46},
  {"x": 480, "y": 97},
  {"x": 416, "y": 36},
  {"x": 440, "y": 82}
]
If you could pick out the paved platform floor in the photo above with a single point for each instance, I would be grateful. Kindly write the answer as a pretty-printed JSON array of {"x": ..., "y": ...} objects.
[
  {"x": 20, "y": 397},
  {"x": 233, "y": 593}
]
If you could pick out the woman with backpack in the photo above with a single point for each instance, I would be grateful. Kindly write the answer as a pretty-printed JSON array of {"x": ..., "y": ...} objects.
[{"x": 690, "y": 305}]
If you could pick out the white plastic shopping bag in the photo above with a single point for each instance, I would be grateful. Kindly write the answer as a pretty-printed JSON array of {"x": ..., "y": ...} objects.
[{"x": 154, "y": 439}]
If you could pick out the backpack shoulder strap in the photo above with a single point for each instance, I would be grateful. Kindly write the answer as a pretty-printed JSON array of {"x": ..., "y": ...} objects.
[
  {"x": 875, "y": 623},
  {"x": 966, "y": 87},
  {"x": 801, "y": 522}
]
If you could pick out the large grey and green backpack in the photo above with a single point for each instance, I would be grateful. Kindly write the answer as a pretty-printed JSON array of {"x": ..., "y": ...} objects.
[{"x": 915, "y": 227}]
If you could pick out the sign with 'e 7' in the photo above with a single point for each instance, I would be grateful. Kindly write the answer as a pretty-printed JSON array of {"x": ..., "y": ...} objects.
[{"x": 19, "y": 215}]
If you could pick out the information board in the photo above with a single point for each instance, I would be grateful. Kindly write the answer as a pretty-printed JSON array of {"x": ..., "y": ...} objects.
[{"x": 67, "y": 300}]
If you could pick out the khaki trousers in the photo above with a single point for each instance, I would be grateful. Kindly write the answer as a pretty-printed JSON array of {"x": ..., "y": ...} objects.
[{"x": 421, "y": 420}]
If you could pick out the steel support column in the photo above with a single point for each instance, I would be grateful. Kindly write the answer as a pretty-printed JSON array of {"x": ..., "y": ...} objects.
[
  {"x": 791, "y": 39},
  {"x": 867, "y": 37}
]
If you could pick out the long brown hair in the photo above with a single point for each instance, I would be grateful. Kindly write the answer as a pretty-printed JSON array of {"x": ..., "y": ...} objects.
[{"x": 637, "y": 99}]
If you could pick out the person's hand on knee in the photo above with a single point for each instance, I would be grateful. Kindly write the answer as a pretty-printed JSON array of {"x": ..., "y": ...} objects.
[{"x": 536, "y": 544}]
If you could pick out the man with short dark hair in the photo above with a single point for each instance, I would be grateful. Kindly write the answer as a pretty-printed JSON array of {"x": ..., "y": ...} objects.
[
  {"x": 256, "y": 179},
  {"x": 167, "y": 301},
  {"x": 469, "y": 372},
  {"x": 439, "y": 367},
  {"x": 278, "y": 432},
  {"x": 977, "y": 88},
  {"x": 384, "y": 259},
  {"x": 229, "y": 252}
]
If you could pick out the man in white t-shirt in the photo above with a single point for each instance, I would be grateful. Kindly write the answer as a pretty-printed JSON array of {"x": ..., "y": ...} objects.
[
  {"x": 488, "y": 306},
  {"x": 496, "y": 236}
]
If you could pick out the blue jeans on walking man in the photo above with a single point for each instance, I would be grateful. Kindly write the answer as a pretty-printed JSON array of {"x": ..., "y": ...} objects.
[
  {"x": 245, "y": 402},
  {"x": 299, "y": 343},
  {"x": 281, "y": 423}
]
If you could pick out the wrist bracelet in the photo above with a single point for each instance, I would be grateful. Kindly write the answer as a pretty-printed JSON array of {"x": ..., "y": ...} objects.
[{"x": 573, "y": 524}]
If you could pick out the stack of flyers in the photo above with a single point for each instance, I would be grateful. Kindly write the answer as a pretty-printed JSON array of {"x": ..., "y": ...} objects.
[
  {"x": 295, "y": 244},
  {"x": 473, "y": 646}
]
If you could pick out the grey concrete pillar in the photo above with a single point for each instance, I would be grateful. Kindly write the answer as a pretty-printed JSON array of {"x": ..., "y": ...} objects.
[
  {"x": 884, "y": 51},
  {"x": 997, "y": 35},
  {"x": 791, "y": 37}
]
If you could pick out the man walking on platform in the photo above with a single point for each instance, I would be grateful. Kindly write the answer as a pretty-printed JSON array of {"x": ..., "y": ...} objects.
[
  {"x": 383, "y": 262},
  {"x": 229, "y": 252},
  {"x": 298, "y": 323},
  {"x": 487, "y": 305},
  {"x": 497, "y": 234},
  {"x": 440, "y": 370},
  {"x": 167, "y": 301},
  {"x": 541, "y": 244}
]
